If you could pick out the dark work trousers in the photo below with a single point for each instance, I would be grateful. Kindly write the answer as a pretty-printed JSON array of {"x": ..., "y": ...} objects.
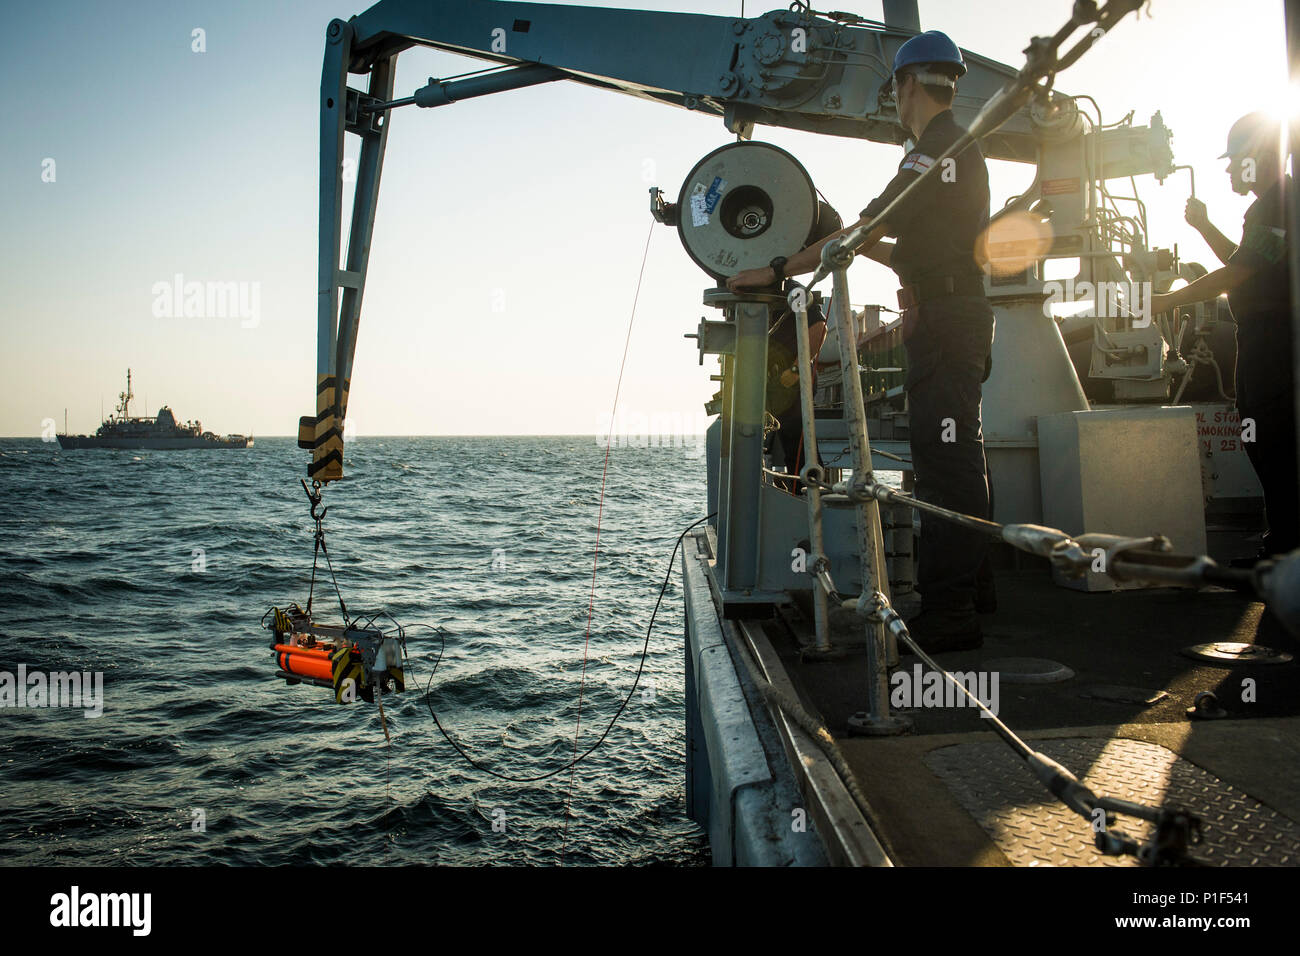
[
  {"x": 784, "y": 402},
  {"x": 790, "y": 436},
  {"x": 949, "y": 342},
  {"x": 1265, "y": 393}
]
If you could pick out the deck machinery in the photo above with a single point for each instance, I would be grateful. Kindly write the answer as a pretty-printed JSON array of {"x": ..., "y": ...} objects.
[{"x": 1090, "y": 416}]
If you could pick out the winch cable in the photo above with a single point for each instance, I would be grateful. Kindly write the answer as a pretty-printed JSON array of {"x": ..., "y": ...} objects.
[{"x": 645, "y": 648}]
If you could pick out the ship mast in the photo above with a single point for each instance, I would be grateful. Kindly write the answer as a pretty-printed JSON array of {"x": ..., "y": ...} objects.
[{"x": 126, "y": 396}]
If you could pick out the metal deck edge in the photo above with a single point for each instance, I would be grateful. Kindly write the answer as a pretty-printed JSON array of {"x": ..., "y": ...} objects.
[
  {"x": 739, "y": 788},
  {"x": 847, "y": 833}
]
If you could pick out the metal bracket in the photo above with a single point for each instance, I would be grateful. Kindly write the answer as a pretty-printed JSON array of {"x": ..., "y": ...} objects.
[
  {"x": 662, "y": 210},
  {"x": 363, "y": 113},
  {"x": 715, "y": 338}
]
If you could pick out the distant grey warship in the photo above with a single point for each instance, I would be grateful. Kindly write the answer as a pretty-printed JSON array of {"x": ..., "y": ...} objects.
[{"x": 122, "y": 430}]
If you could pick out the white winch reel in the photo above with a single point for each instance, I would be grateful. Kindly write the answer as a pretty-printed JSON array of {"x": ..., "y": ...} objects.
[{"x": 743, "y": 205}]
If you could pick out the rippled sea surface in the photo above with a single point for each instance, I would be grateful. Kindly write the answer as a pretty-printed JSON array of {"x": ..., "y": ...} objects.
[{"x": 155, "y": 567}]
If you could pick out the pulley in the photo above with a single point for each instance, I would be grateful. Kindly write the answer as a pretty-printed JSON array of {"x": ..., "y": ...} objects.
[{"x": 743, "y": 205}]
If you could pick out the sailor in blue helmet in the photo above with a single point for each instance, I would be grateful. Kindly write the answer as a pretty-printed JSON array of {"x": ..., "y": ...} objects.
[
  {"x": 947, "y": 331},
  {"x": 1256, "y": 275}
]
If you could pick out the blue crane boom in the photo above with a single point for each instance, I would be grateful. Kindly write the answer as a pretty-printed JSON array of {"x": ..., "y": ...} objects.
[{"x": 793, "y": 68}]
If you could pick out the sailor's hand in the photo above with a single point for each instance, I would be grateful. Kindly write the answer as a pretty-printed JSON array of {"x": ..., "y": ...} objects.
[
  {"x": 752, "y": 279},
  {"x": 1195, "y": 214},
  {"x": 1159, "y": 303},
  {"x": 789, "y": 377}
]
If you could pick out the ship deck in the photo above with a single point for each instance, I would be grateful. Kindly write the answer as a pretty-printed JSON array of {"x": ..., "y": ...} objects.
[{"x": 951, "y": 793}]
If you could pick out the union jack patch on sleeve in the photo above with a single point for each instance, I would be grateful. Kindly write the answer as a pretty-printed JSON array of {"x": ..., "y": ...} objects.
[{"x": 918, "y": 161}]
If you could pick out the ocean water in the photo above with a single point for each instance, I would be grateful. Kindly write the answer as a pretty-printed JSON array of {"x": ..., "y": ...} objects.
[{"x": 154, "y": 568}]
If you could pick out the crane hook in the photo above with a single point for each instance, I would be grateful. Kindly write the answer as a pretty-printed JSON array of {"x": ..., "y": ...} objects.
[{"x": 313, "y": 495}]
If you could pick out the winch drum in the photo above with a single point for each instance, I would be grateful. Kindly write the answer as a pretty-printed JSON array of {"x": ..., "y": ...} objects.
[{"x": 743, "y": 205}]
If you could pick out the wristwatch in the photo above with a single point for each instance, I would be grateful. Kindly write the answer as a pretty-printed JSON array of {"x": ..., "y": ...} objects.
[{"x": 777, "y": 266}]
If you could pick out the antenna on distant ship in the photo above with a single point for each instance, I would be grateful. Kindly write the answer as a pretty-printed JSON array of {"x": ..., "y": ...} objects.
[{"x": 125, "y": 398}]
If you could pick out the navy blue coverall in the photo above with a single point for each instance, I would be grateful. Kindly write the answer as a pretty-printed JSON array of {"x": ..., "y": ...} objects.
[
  {"x": 1266, "y": 384},
  {"x": 948, "y": 334}
]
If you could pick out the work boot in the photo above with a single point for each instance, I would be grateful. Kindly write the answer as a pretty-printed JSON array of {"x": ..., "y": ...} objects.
[{"x": 939, "y": 630}]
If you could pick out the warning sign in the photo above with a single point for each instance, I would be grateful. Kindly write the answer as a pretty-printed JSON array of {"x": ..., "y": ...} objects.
[{"x": 1219, "y": 430}]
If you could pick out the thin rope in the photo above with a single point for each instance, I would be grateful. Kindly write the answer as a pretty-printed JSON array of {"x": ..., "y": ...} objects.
[{"x": 591, "y": 600}]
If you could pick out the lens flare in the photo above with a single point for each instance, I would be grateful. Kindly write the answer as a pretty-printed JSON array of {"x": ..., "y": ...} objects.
[{"x": 1014, "y": 242}]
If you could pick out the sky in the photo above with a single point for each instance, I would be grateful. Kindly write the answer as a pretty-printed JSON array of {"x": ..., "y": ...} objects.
[{"x": 510, "y": 228}]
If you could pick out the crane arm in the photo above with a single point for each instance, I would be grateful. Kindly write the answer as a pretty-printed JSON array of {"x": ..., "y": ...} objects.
[
  {"x": 824, "y": 73},
  {"x": 784, "y": 68}
]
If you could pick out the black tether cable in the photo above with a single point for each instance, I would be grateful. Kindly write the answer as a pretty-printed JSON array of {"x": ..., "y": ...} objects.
[{"x": 442, "y": 644}]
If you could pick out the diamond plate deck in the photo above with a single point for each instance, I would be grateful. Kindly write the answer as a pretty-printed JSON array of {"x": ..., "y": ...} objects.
[{"x": 1032, "y": 829}]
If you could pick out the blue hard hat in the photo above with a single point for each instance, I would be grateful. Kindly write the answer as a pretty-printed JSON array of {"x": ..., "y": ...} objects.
[{"x": 929, "y": 47}]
